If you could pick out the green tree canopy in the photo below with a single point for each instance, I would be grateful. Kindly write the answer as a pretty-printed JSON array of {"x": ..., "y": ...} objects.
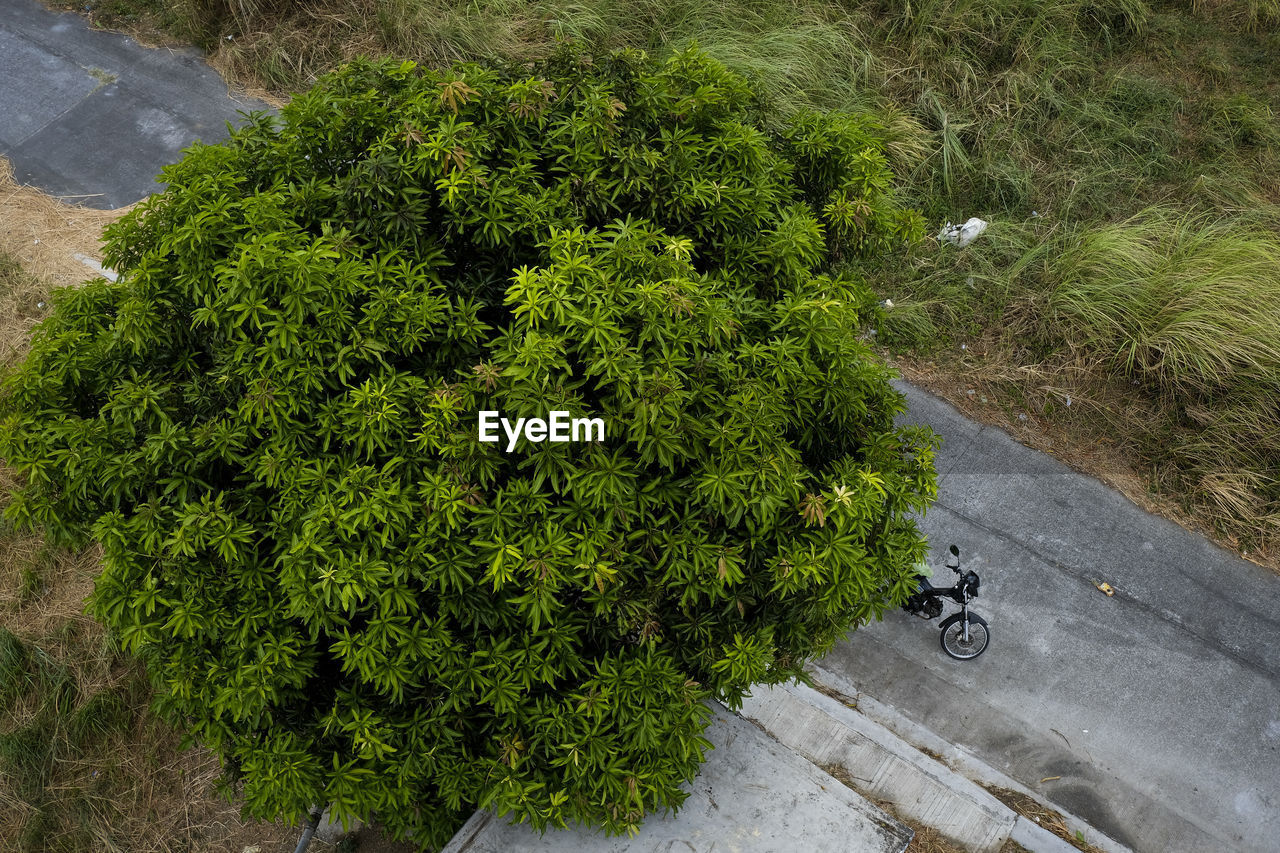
[{"x": 270, "y": 424}]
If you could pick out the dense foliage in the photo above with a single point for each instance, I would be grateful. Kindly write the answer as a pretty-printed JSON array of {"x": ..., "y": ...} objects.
[{"x": 270, "y": 424}]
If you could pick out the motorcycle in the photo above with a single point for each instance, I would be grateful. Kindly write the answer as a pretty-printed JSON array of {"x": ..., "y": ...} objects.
[{"x": 965, "y": 635}]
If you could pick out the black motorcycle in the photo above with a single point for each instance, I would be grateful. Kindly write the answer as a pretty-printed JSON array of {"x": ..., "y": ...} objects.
[{"x": 964, "y": 635}]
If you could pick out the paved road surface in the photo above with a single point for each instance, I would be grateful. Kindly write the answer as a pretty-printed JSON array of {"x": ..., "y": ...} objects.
[
  {"x": 93, "y": 116},
  {"x": 1159, "y": 708}
]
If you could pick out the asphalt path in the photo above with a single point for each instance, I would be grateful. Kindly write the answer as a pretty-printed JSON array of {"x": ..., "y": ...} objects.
[
  {"x": 1159, "y": 707},
  {"x": 91, "y": 116}
]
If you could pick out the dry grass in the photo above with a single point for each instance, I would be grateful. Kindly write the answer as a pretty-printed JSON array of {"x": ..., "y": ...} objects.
[
  {"x": 85, "y": 765},
  {"x": 1098, "y": 434},
  {"x": 44, "y": 234},
  {"x": 1045, "y": 817},
  {"x": 42, "y": 591},
  {"x": 926, "y": 838},
  {"x": 40, "y": 237}
]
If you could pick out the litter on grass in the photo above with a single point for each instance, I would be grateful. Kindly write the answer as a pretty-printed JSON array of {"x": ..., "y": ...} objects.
[{"x": 962, "y": 235}]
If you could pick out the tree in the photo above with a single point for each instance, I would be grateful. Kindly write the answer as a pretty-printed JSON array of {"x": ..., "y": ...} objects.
[{"x": 270, "y": 424}]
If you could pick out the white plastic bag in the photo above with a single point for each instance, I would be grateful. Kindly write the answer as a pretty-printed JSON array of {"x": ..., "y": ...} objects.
[{"x": 962, "y": 235}]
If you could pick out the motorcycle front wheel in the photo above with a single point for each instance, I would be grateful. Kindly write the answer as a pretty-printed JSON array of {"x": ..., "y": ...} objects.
[{"x": 955, "y": 645}]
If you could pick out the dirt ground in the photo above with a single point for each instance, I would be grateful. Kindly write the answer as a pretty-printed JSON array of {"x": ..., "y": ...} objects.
[{"x": 965, "y": 384}]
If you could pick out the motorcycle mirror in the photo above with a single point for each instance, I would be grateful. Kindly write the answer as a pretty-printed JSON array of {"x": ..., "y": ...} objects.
[{"x": 955, "y": 552}]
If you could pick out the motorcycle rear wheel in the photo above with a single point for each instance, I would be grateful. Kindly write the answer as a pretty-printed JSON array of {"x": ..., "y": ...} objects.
[{"x": 953, "y": 642}]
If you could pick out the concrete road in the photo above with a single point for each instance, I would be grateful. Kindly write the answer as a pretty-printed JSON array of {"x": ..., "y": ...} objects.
[
  {"x": 1159, "y": 707},
  {"x": 92, "y": 116}
]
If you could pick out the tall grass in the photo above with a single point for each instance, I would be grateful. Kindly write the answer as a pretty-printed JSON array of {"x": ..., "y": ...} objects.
[
  {"x": 1191, "y": 307},
  {"x": 1189, "y": 303},
  {"x": 1072, "y": 106},
  {"x": 1164, "y": 328}
]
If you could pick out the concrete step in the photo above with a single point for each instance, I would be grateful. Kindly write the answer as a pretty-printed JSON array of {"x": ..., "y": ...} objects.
[
  {"x": 753, "y": 795},
  {"x": 833, "y": 734}
]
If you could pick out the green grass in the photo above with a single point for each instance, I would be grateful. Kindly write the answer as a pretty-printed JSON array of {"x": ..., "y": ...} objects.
[
  {"x": 1191, "y": 305},
  {"x": 49, "y": 730},
  {"x": 83, "y": 763},
  {"x": 1080, "y": 108},
  {"x": 1168, "y": 322}
]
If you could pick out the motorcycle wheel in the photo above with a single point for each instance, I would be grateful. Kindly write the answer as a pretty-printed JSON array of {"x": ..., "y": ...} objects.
[{"x": 953, "y": 642}]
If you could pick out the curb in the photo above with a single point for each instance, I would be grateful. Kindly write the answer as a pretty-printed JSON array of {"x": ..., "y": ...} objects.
[
  {"x": 963, "y": 763},
  {"x": 752, "y": 795},
  {"x": 868, "y": 742}
]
